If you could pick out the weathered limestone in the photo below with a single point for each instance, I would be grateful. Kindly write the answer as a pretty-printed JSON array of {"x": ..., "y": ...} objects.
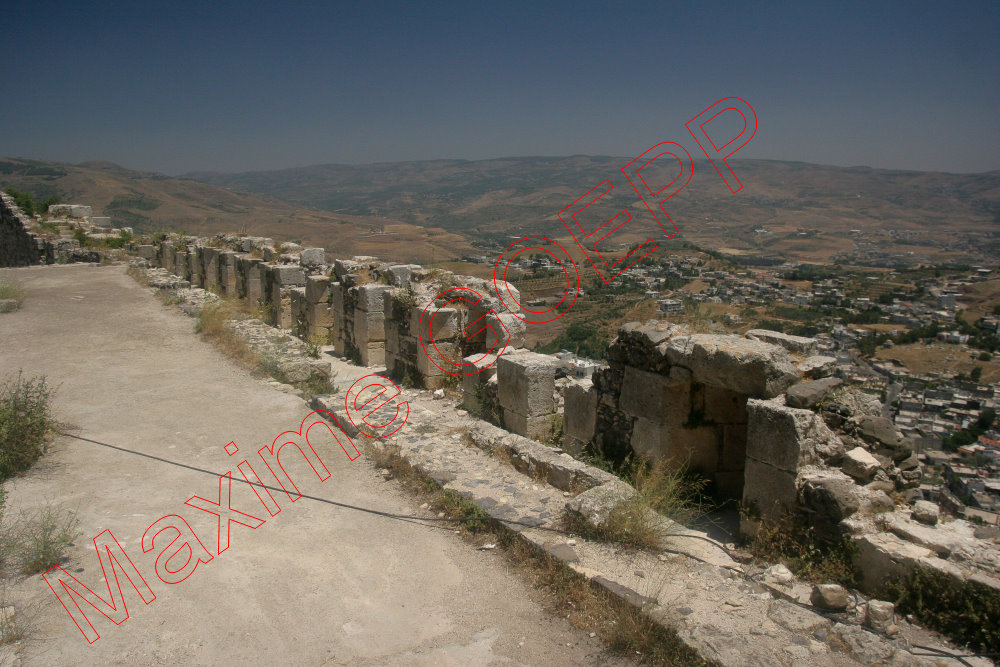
[
  {"x": 805, "y": 347},
  {"x": 741, "y": 364},
  {"x": 926, "y": 512},
  {"x": 525, "y": 386},
  {"x": 781, "y": 443},
  {"x": 859, "y": 464},
  {"x": 580, "y": 415},
  {"x": 70, "y": 211},
  {"x": 810, "y": 394}
]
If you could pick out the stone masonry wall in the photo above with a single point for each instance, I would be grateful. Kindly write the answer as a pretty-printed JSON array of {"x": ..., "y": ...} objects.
[
  {"x": 18, "y": 247},
  {"x": 756, "y": 413}
]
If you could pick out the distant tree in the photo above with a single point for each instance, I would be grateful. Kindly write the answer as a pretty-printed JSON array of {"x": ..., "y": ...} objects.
[{"x": 976, "y": 374}]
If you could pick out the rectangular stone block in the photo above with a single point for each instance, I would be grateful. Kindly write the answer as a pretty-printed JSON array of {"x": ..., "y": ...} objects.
[
  {"x": 694, "y": 449},
  {"x": 768, "y": 490},
  {"x": 147, "y": 252},
  {"x": 373, "y": 354},
  {"x": 337, "y": 291},
  {"x": 580, "y": 410},
  {"x": 785, "y": 438},
  {"x": 319, "y": 315},
  {"x": 447, "y": 356},
  {"x": 369, "y": 327},
  {"x": 312, "y": 257},
  {"x": 440, "y": 324},
  {"x": 210, "y": 261},
  {"x": 317, "y": 289},
  {"x": 371, "y": 298},
  {"x": 526, "y": 382},
  {"x": 660, "y": 398},
  {"x": 288, "y": 274},
  {"x": 537, "y": 427}
]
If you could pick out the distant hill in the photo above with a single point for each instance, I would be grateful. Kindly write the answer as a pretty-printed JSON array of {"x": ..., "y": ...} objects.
[
  {"x": 786, "y": 209},
  {"x": 439, "y": 210},
  {"x": 148, "y": 201}
]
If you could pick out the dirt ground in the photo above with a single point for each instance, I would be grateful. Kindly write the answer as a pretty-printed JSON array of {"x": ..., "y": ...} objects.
[{"x": 314, "y": 585}]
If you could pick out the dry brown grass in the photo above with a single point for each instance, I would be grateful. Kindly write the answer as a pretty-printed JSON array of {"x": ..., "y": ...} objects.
[
  {"x": 211, "y": 323},
  {"x": 565, "y": 593},
  {"x": 664, "y": 499}
]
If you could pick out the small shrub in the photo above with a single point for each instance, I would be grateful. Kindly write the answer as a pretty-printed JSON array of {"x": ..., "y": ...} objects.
[
  {"x": 211, "y": 323},
  {"x": 25, "y": 423},
  {"x": 489, "y": 403},
  {"x": 11, "y": 289},
  {"x": 80, "y": 235},
  {"x": 412, "y": 379},
  {"x": 795, "y": 544},
  {"x": 664, "y": 497},
  {"x": 40, "y": 540},
  {"x": 14, "y": 626},
  {"x": 120, "y": 241},
  {"x": 966, "y": 611}
]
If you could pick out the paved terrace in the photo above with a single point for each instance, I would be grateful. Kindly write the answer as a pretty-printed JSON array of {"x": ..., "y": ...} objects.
[{"x": 315, "y": 585}]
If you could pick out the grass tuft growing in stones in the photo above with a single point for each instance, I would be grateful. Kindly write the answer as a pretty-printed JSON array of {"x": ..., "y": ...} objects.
[
  {"x": 11, "y": 289},
  {"x": 796, "y": 545},
  {"x": 966, "y": 611},
  {"x": 212, "y": 324},
  {"x": 566, "y": 593},
  {"x": 664, "y": 498}
]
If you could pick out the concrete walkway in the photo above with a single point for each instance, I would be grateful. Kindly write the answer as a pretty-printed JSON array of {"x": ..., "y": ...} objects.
[{"x": 315, "y": 584}]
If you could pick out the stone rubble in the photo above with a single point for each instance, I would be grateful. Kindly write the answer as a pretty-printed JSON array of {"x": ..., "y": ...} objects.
[{"x": 716, "y": 403}]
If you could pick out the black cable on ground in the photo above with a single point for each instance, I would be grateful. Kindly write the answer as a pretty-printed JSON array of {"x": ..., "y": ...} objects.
[{"x": 419, "y": 520}]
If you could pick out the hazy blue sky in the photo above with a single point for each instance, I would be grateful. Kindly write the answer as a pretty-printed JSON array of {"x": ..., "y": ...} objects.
[{"x": 184, "y": 86}]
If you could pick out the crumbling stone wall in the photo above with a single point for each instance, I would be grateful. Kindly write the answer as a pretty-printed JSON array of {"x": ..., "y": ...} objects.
[
  {"x": 668, "y": 395},
  {"x": 18, "y": 247}
]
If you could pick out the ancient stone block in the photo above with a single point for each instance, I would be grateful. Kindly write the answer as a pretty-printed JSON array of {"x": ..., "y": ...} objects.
[
  {"x": 312, "y": 256},
  {"x": 744, "y": 365},
  {"x": 817, "y": 367},
  {"x": 925, "y": 511},
  {"x": 317, "y": 289},
  {"x": 146, "y": 252},
  {"x": 447, "y": 356},
  {"x": 692, "y": 449},
  {"x": 471, "y": 384},
  {"x": 537, "y": 427},
  {"x": 768, "y": 490},
  {"x": 786, "y": 438},
  {"x": 859, "y": 464},
  {"x": 526, "y": 382},
  {"x": 319, "y": 315},
  {"x": 809, "y": 394},
  {"x": 288, "y": 274},
  {"x": 580, "y": 410},
  {"x": 795, "y": 344},
  {"x": 440, "y": 324},
  {"x": 371, "y": 298},
  {"x": 369, "y": 327},
  {"x": 881, "y": 555},
  {"x": 659, "y": 398},
  {"x": 210, "y": 264},
  {"x": 509, "y": 328},
  {"x": 372, "y": 354}
]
